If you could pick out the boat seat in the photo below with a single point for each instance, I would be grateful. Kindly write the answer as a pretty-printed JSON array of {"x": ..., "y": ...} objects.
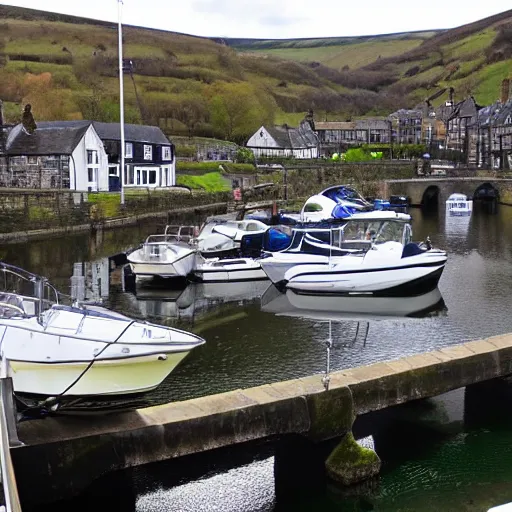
[
  {"x": 10, "y": 305},
  {"x": 412, "y": 249}
]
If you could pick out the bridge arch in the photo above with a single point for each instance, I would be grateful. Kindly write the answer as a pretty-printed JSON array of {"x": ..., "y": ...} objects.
[
  {"x": 430, "y": 198},
  {"x": 488, "y": 196},
  {"x": 487, "y": 192}
]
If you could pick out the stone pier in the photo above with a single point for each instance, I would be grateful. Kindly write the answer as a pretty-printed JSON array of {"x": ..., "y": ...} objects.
[{"x": 63, "y": 455}]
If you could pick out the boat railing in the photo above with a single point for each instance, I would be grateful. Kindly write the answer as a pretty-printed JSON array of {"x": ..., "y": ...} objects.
[
  {"x": 35, "y": 292},
  {"x": 181, "y": 233}
]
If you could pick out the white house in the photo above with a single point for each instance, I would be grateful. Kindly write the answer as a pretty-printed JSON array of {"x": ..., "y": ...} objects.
[
  {"x": 85, "y": 155},
  {"x": 149, "y": 155},
  {"x": 57, "y": 155},
  {"x": 283, "y": 141}
]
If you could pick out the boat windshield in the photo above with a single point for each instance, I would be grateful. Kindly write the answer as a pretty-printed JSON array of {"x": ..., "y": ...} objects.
[{"x": 377, "y": 232}]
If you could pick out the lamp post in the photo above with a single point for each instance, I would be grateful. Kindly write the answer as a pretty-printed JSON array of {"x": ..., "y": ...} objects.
[{"x": 121, "y": 100}]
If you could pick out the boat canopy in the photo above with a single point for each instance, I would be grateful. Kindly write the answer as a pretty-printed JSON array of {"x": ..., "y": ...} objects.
[{"x": 339, "y": 237}]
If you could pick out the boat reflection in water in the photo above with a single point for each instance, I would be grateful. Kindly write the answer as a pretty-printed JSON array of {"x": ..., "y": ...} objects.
[
  {"x": 194, "y": 299},
  {"x": 323, "y": 307},
  {"x": 457, "y": 226}
]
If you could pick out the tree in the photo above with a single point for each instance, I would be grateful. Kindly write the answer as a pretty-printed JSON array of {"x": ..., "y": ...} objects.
[
  {"x": 237, "y": 110},
  {"x": 191, "y": 111}
]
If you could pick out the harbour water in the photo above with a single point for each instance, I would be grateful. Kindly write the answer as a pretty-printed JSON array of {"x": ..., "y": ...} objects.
[{"x": 433, "y": 455}]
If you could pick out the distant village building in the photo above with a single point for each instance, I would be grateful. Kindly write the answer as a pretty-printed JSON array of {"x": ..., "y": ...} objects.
[
  {"x": 407, "y": 126},
  {"x": 464, "y": 115},
  {"x": 284, "y": 141},
  {"x": 338, "y": 136}
]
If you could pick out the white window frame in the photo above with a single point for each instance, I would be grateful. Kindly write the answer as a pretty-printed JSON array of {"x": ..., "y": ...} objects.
[
  {"x": 166, "y": 176},
  {"x": 166, "y": 153},
  {"x": 148, "y": 152},
  {"x": 93, "y": 166},
  {"x": 128, "y": 150},
  {"x": 137, "y": 176},
  {"x": 115, "y": 168}
]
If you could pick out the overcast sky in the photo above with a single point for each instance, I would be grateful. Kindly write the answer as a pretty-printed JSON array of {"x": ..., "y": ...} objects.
[{"x": 280, "y": 18}]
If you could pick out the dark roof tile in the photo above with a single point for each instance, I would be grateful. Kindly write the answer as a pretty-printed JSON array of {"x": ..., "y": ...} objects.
[{"x": 48, "y": 139}]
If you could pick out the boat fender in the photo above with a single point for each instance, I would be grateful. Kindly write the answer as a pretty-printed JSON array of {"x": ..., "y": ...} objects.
[{"x": 162, "y": 357}]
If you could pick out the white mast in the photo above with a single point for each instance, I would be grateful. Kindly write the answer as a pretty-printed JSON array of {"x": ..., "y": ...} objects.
[{"x": 121, "y": 101}]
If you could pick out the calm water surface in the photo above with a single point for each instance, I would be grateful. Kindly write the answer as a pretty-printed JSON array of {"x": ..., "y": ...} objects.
[{"x": 248, "y": 346}]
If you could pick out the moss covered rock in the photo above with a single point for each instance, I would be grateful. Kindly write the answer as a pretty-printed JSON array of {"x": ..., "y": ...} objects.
[{"x": 350, "y": 463}]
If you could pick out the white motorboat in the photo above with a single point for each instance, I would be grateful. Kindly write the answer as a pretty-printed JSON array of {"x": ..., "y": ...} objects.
[
  {"x": 59, "y": 351},
  {"x": 167, "y": 255},
  {"x": 83, "y": 352},
  {"x": 384, "y": 263},
  {"x": 322, "y": 206},
  {"x": 459, "y": 204},
  {"x": 222, "y": 238},
  {"x": 311, "y": 244},
  {"x": 227, "y": 270}
]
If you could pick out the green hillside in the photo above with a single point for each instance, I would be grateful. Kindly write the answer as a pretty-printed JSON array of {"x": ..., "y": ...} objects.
[{"x": 66, "y": 67}]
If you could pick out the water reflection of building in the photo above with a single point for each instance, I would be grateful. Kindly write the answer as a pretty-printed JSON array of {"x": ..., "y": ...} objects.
[{"x": 91, "y": 280}]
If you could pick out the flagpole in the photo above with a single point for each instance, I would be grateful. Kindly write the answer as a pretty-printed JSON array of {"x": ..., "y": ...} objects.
[{"x": 121, "y": 100}]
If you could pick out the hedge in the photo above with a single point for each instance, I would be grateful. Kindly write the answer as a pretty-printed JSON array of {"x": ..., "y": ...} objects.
[{"x": 215, "y": 167}]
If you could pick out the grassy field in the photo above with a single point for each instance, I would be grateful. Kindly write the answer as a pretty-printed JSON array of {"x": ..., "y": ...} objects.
[
  {"x": 354, "y": 55},
  {"x": 210, "y": 182},
  {"x": 66, "y": 67}
]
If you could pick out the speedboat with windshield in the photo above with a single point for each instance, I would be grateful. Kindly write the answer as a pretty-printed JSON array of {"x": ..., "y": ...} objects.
[
  {"x": 371, "y": 256},
  {"x": 166, "y": 255},
  {"x": 310, "y": 243},
  {"x": 66, "y": 352},
  {"x": 322, "y": 206}
]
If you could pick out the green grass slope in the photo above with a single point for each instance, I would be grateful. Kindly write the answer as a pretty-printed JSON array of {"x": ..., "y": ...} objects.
[{"x": 66, "y": 67}]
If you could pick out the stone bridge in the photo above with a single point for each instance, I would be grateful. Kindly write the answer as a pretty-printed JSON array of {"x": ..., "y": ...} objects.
[{"x": 430, "y": 191}]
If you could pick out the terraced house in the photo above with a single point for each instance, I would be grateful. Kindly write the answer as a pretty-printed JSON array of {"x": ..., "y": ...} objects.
[{"x": 335, "y": 136}]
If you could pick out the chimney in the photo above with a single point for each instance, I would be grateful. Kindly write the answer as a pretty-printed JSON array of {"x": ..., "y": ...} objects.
[{"x": 505, "y": 90}]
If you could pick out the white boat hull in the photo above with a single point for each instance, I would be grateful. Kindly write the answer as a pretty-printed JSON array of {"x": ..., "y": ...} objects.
[
  {"x": 229, "y": 270},
  {"x": 181, "y": 267},
  {"x": 404, "y": 277},
  {"x": 105, "y": 377},
  {"x": 275, "y": 268}
]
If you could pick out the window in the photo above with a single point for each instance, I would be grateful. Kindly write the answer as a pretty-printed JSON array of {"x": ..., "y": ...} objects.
[
  {"x": 92, "y": 169},
  {"x": 128, "y": 150},
  {"x": 142, "y": 177},
  {"x": 92, "y": 157},
  {"x": 32, "y": 160},
  {"x": 166, "y": 153},
  {"x": 113, "y": 170},
  {"x": 148, "y": 152},
  {"x": 313, "y": 207}
]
